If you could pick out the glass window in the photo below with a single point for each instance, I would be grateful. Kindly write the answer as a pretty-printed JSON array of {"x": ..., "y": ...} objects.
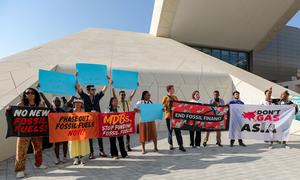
[
  {"x": 206, "y": 51},
  {"x": 243, "y": 61},
  {"x": 233, "y": 57},
  {"x": 216, "y": 53},
  {"x": 225, "y": 55}
]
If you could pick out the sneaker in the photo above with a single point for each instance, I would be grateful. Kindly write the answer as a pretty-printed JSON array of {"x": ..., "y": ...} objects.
[
  {"x": 20, "y": 174},
  {"x": 286, "y": 146},
  {"x": 82, "y": 161},
  {"x": 270, "y": 147},
  {"x": 57, "y": 161},
  {"x": 115, "y": 157},
  {"x": 76, "y": 161},
  {"x": 42, "y": 166},
  {"x": 128, "y": 148},
  {"x": 242, "y": 144},
  {"x": 181, "y": 148},
  {"x": 65, "y": 159},
  {"x": 204, "y": 144},
  {"x": 197, "y": 147},
  {"x": 102, "y": 154},
  {"x": 91, "y": 156},
  {"x": 171, "y": 147},
  {"x": 219, "y": 144}
]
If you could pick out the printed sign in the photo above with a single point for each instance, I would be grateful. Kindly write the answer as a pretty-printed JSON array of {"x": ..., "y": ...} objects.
[
  {"x": 27, "y": 122},
  {"x": 116, "y": 124},
  {"x": 269, "y": 123},
  {"x": 73, "y": 126},
  {"x": 198, "y": 117}
]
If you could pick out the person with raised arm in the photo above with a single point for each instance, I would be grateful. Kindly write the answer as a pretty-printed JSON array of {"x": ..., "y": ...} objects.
[
  {"x": 91, "y": 101},
  {"x": 125, "y": 105}
]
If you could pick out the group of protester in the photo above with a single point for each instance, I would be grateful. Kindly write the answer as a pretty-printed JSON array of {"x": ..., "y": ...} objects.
[{"x": 89, "y": 101}]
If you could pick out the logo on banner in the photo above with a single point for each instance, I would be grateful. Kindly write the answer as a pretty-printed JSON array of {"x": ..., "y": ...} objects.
[{"x": 259, "y": 118}]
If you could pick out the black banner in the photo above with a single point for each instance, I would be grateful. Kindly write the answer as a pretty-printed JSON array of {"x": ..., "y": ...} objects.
[{"x": 27, "y": 122}]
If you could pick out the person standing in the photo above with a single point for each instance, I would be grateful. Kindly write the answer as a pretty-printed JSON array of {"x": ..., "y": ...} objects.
[
  {"x": 125, "y": 105},
  {"x": 80, "y": 148},
  {"x": 268, "y": 102},
  {"x": 166, "y": 101},
  {"x": 113, "y": 108},
  {"x": 91, "y": 101},
  {"x": 284, "y": 100},
  {"x": 195, "y": 141},
  {"x": 147, "y": 130},
  {"x": 216, "y": 101},
  {"x": 236, "y": 100},
  {"x": 56, "y": 107},
  {"x": 30, "y": 98}
]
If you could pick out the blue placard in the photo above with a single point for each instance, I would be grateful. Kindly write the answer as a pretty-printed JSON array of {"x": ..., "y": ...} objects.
[
  {"x": 296, "y": 100},
  {"x": 57, "y": 83},
  {"x": 92, "y": 74},
  {"x": 125, "y": 79},
  {"x": 151, "y": 112}
]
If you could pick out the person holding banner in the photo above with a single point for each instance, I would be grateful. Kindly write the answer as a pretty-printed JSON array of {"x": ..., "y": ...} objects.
[
  {"x": 284, "y": 100},
  {"x": 125, "y": 105},
  {"x": 268, "y": 102},
  {"x": 113, "y": 107},
  {"x": 195, "y": 141},
  {"x": 166, "y": 101},
  {"x": 216, "y": 101},
  {"x": 236, "y": 100},
  {"x": 56, "y": 106},
  {"x": 30, "y": 98},
  {"x": 147, "y": 130},
  {"x": 92, "y": 104},
  {"x": 78, "y": 149}
]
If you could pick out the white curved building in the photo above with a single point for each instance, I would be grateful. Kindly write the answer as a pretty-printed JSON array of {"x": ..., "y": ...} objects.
[{"x": 161, "y": 56}]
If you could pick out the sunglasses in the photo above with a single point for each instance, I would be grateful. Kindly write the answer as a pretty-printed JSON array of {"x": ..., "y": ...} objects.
[
  {"x": 123, "y": 94},
  {"x": 93, "y": 89},
  {"x": 29, "y": 92}
]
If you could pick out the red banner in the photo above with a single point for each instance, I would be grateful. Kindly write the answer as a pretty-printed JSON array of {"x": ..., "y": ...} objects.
[
  {"x": 199, "y": 117},
  {"x": 116, "y": 124}
]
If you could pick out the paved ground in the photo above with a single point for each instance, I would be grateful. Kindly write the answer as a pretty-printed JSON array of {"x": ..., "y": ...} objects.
[{"x": 253, "y": 162}]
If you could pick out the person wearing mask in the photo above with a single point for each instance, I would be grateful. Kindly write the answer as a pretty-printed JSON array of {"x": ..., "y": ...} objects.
[
  {"x": 147, "y": 130},
  {"x": 268, "y": 102},
  {"x": 216, "y": 101},
  {"x": 236, "y": 100},
  {"x": 80, "y": 148},
  {"x": 113, "y": 108},
  {"x": 125, "y": 105},
  {"x": 284, "y": 100},
  {"x": 166, "y": 101},
  {"x": 30, "y": 98},
  {"x": 91, "y": 101},
  {"x": 195, "y": 141}
]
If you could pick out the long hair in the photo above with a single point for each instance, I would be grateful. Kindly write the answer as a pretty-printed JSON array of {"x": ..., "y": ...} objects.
[
  {"x": 143, "y": 96},
  {"x": 37, "y": 97},
  {"x": 110, "y": 103},
  {"x": 194, "y": 93}
]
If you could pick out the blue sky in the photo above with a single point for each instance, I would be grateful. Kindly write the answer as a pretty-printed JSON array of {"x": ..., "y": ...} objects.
[{"x": 28, "y": 23}]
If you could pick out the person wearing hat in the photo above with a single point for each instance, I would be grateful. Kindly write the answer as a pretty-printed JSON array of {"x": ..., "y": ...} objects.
[
  {"x": 91, "y": 101},
  {"x": 78, "y": 149}
]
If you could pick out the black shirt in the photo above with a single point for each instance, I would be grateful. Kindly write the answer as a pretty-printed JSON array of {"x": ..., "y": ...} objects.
[{"x": 93, "y": 105}]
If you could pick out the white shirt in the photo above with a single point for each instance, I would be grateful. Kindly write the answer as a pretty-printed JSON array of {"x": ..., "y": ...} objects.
[
  {"x": 142, "y": 102},
  {"x": 266, "y": 103},
  {"x": 196, "y": 101}
]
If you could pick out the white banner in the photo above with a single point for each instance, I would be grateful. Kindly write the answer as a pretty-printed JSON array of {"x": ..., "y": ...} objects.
[{"x": 269, "y": 123}]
